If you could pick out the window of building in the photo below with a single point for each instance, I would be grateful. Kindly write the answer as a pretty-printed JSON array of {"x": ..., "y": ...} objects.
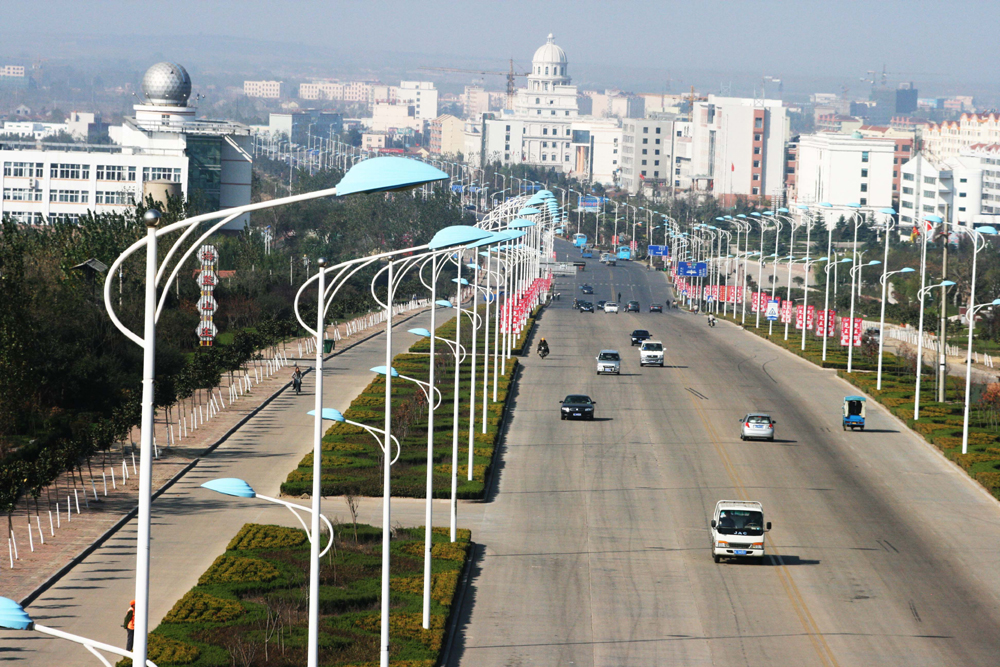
[
  {"x": 161, "y": 174},
  {"x": 23, "y": 169},
  {"x": 656, "y": 163},
  {"x": 645, "y": 130},
  {"x": 546, "y": 70},
  {"x": 864, "y": 156},
  {"x": 928, "y": 208},
  {"x": 756, "y": 191},
  {"x": 553, "y": 113},
  {"x": 928, "y": 194},
  {"x": 115, "y": 172},
  {"x": 906, "y": 204},
  {"x": 678, "y": 133},
  {"x": 538, "y": 112},
  {"x": 21, "y": 194},
  {"x": 69, "y": 196},
  {"x": 758, "y": 123},
  {"x": 963, "y": 180},
  {"x": 508, "y": 128},
  {"x": 545, "y": 130},
  {"x": 756, "y": 137},
  {"x": 645, "y": 141},
  {"x": 657, "y": 131},
  {"x": 864, "y": 187},
  {"x": 74, "y": 172},
  {"x": 961, "y": 194},
  {"x": 895, "y": 174},
  {"x": 656, "y": 174},
  {"x": 644, "y": 163},
  {"x": 677, "y": 172},
  {"x": 656, "y": 151},
  {"x": 119, "y": 198},
  {"x": 756, "y": 164},
  {"x": 545, "y": 144},
  {"x": 961, "y": 209},
  {"x": 756, "y": 177},
  {"x": 864, "y": 201},
  {"x": 864, "y": 173},
  {"x": 657, "y": 142},
  {"x": 538, "y": 100},
  {"x": 644, "y": 151},
  {"x": 615, "y": 151},
  {"x": 907, "y": 177},
  {"x": 644, "y": 172},
  {"x": 566, "y": 112},
  {"x": 26, "y": 217},
  {"x": 566, "y": 159},
  {"x": 544, "y": 158},
  {"x": 756, "y": 150},
  {"x": 895, "y": 160},
  {"x": 930, "y": 180},
  {"x": 894, "y": 188}
]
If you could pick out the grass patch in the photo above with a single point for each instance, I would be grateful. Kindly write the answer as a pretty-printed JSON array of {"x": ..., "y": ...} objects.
[{"x": 222, "y": 623}]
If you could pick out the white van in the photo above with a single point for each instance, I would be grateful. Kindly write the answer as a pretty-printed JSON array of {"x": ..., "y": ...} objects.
[
  {"x": 738, "y": 529},
  {"x": 651, "y": 352}
]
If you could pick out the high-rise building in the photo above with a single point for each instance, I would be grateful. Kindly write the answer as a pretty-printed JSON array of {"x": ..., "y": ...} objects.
[
  {"x": 656, "y": 154},
  {"x": 962, "y": 189},
  {"x": 447, "y": 135},
  {"x": 421, "y": 95},
  {"x": 164, "y": 144}
]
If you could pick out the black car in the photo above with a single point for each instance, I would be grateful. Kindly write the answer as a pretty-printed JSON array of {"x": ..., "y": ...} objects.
[
  {"x": 600, "y": 304},
  {"x": 587, "y": 289},
  {"x": 656, "y": 307},
  {"x": 640, "y": 335},
  {"x": 632, "y": 307},
  {"x": 576, "y": 406},
  {"x": 586, "y": 307}
]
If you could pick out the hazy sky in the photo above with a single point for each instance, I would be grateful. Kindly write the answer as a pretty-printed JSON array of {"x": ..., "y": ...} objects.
[{"x": 919, "y": 39}]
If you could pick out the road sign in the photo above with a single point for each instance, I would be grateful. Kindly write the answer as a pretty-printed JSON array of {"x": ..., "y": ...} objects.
[
  {"x": 657, "y": 251},
  {"x": 699, "y": 270},
  {"x": 772, "y": 310},
  {"x": 786, "y": 312}
]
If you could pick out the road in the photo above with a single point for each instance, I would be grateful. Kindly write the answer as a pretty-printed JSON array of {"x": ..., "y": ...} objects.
[{"x": 595, "y": 551}]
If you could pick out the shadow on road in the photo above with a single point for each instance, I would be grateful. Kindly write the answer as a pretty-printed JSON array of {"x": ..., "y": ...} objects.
[{"x": 456, "y": 647}]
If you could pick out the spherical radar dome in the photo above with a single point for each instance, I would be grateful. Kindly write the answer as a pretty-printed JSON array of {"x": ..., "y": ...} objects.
[
  {"x": 167, "y": 84},
  {"x": 549, "y": 53}
]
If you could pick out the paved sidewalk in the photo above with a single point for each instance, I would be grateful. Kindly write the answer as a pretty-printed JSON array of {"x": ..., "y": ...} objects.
[{"x": 191, "y": 526}]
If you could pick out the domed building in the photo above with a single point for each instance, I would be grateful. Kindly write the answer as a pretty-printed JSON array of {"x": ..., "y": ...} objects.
[{"x": 545, "y": 128}]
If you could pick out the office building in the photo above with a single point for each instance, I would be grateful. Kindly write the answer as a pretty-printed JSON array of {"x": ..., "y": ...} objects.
[
  {"x": 163, "y": 146},
  {"x": 656, "y": 154},
  {"x": 421, "y": 95},
  {"x": 267, "y": 89}
]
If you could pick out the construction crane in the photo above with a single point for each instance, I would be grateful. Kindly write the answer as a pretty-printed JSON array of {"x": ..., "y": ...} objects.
[{"x": 511, "y": 76}]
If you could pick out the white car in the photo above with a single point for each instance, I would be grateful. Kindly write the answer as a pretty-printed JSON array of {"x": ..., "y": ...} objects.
[
  {"x": 610, "y": 307},
  {"x": 609, "y": 361},
  {"x": 651, "y": 353},
  {"x": 738, "y": 529}
]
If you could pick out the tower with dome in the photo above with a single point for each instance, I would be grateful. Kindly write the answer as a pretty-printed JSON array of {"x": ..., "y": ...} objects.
[{"x": 545, "y": 129}]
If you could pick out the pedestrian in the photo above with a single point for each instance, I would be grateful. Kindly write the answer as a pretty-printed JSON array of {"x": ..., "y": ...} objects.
[
  {"x": 297, "y": 380},
  {"x": 619, "y": 297},
  {"x": 129, "y": 626}
]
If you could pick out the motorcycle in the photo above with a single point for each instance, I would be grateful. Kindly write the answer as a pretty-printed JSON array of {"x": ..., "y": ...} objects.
[
  {"x": 543, "y": 352},
  {"x": 711, "y": 321}
]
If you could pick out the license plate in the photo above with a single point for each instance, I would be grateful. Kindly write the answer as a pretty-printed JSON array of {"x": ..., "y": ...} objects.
[
  {"x": 740, "y": 552},
  {"x": 577, "y": 414},
  {"x": 758, "y": 426}
]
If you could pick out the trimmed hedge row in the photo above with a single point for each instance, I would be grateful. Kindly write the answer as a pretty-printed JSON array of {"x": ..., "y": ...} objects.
[
  {"x": 352, "y": 459},
  {"x": 220, "y": 623}
]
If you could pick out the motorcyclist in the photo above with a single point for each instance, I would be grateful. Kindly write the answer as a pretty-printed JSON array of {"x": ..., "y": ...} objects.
[
  {"x": 297, "y": 380},
  {"x": 711, "y": 320},
  {"x": 543, "y": 348}
]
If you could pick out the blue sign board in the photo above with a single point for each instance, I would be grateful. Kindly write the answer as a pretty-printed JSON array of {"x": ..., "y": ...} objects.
[
  {"x": 699, "y": 270},
  {"x": 658, "y": 251}
]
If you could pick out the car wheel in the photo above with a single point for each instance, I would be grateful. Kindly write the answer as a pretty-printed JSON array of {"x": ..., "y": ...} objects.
[
  {"x": 743, "y": 437},
  {"x": 590, "y": 418},
  {"x": 716, "y": 557},
  {"x": 562, "y": 417},
  {"x": 661, "y": 364},
  {"x": 771, "y": 439}
]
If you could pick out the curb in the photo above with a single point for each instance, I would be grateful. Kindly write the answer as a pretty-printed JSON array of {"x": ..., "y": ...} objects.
[
  {"x": 456, "y": 609},
  {"x": 501, "y": 433},
  {"x": 131, "y": 514}
]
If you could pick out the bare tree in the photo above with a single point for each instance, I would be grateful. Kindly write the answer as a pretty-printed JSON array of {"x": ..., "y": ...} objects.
[{"x": 352, "y": 507}]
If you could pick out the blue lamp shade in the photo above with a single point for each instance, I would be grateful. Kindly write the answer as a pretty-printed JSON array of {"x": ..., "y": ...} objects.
[
  {"x": 826, "y": 204},
  {"x": 936, "y": 219},
  {"x": 847, "y": 260},
  {"x": 444, "y": 303},
  {"x": 384, "y": 174},
  {"x": 329, "y": 414},
  {"x": 768, "y": 212},
  {"x": 755, "y": 214},
  {"x": 474, "y": 267},
  {"x": 907, "y": 269},
  {"x": 455, "y": 235},
  {"x": 420, "y": 332},
  {"x": 545, "y": 193},
  {"x": 888, "y": 211},
  {"x": 740, "y": 215},
  {"x": 519, "y": 223},
  {"x": 511, "y": 234},
  {"x": 460, "y": 280},
  {"x": 528, "y": 210},
  {"x": 782, "y": 210},
  {"x": 13, "y": 616},
  {"x": 381, "y": 370},
  {"x": 854, "y": 205},
  {"x": 986, "y": 229},
  {"x": 489, "y": 240},
  {"x": 874, "y": 262},
  {"x": 232, "y": 486},
  {"x": 948, "y": 283},
  {"x": 995, "y": 302},
  {"x": 802, "y": 207}
]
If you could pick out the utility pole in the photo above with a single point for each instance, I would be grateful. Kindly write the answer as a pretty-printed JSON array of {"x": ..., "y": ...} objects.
[{"x": 943, "y": 329}]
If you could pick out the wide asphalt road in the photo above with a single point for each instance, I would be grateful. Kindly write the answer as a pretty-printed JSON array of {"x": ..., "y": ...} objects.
[{"x": 595, "y": 549}]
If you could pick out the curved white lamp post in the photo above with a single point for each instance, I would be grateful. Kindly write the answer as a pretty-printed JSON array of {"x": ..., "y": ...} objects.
[
  {"x": 827, "y": 324},
  {"x": 13, "y": 617},
  {"x": 855, "y": 270},
  {"x": 884, "y": 279}
]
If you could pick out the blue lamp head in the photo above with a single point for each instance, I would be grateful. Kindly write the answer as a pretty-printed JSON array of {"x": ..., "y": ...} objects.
[
  {"x": 473, "y": 267},
  {"x": 381, "y": 370},
  {"x": 826, "y": 204},
  {"x": 846, "y": 260},
  {"x": 728, "y": 217},
  {"x": 768, "y": 212},
  {"x": 232, "y": 486},
  {"x": 385, "y": 174},
  {"x": 802, "y": 207},
  {"x": 420, "y": 332},
  {"x": 329, "y": 414},
  {"x": 874, "y": 262},
  {"x": 13, "y": 616},
  {"x": 782, "y": 210},
  {"x": 455, "y": 235},
  {"x": 854, "y": 205},
  {"x": 463, "y": 281},
  {"x": 936, "y": 219},
  {"x": 528, "y": 210},
  {"x": 987, "y": 229},
  {"x": 444, "y": 303},
  {"x": 888, "y": 211},
  {"x": 907, "y": 269},
  {"x": 755, "y": 214},
  {"x": 947, "y": 283},
  {"x": 995, "y": 302},
  {"x": 741, "y": 215}
]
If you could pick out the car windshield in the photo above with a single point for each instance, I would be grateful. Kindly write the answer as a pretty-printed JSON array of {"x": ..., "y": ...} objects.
[
  {"x": 577, "y": 399},
  {"x": 633, "y": 303},
  {"x": 640, "y": 332},
  {"x": 609, "y": 356},
  {"x": 759, "y": 419},
  {"x": 741, "y": 522},
  {"x": 652, "y": 347},
  {"x": 611, "y": 303}
]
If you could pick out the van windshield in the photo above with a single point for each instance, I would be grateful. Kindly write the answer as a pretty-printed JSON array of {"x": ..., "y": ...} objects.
[
  {"x": 609, "y": 356},
  {"x": 741, "y": 522},
  {"x": 652, "y": 347}
]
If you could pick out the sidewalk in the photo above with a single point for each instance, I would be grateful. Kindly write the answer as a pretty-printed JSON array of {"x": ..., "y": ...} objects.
[{"x": 71, "y": 537}]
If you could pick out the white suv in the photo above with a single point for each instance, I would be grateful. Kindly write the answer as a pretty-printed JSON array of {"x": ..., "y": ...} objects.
[
  {"x": 609, "y": 361},
  {"x": 610, "y": 307},
  {"x": 651, "y": 352}
]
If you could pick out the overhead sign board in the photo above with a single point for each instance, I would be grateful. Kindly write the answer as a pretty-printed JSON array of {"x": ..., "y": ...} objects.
[{"x": 658, "y": 251}]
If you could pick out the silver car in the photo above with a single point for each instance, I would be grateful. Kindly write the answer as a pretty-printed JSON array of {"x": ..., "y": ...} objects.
[
  {"x": 757, "y": 426},
  {"x": 609, "y": 361}
]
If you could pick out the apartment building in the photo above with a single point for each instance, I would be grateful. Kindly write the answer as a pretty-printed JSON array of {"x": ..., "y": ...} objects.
[
  {"x": 656, "y": 154},
  {"x": 421, "y": 95},
  {"x": 272, "y": 90},
  {"x": 447, "y": 135},
  {"x": 952, "y": 137},
  {"x": 962, "y": 189}
]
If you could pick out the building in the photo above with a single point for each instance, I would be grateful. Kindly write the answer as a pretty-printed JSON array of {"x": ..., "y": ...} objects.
[
  {"x": 85, "y": 126},
  {"x": 373, "y": 140},
  {"x": 616, "y": 104},
  {"x": 656, "y": 154},
  {"x": 394, "y": 117},
  {"x": 739, "y": 147},
  {"x": 421, "y": 95},
  {"x": 842, "y": 169},
  {"x": 349, "y": 91},
  {"x": 447, "y": 135},
  {"x": 903, "y": 141},
  {"x": 962, "y": 189},
  {"x": 164, "y": 144},
  {"x": 305, "y": 124},
  {"x": 14, "y": 76},
  {"x": 30, "y": 129},
  {"x": 952, "y": 137},
  {"x": 272, "y": 90},
  {"x": 596, "y": 149},
  {"x": 838, "y": 123},
  {"x": 475, "y": 101}
]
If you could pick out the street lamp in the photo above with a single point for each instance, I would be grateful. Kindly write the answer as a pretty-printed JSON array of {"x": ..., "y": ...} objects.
[
  {"x": 881, "y": 325},
  {"x": 377, "y": 175},
  {"x": 855, "y": 270},
  {"x": 805, "y": 295},
  {"x": 13, "y": 617},
  {"x": 827, "y": 322},
  {"x": 971, "y": 313}
]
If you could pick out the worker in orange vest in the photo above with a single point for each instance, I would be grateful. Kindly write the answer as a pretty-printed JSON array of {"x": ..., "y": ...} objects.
[{"x": 129, "y": 625}]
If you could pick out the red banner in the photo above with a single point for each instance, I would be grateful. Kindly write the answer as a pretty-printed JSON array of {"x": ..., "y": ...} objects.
[
  {"x": 810, "y": 318},
  {"x": 845, "y": 331},
  {"x": 786, "y": 312},
  {"x": 799, "y": 316},
  {"x": 825, "y": 323},
  {"x": 736, "y": 294}
]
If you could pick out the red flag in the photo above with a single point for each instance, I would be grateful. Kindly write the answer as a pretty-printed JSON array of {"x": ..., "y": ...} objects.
[{"x": 732, "y": 166}]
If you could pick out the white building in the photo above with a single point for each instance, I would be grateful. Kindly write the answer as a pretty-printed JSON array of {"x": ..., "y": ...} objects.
[
  {"x": 392, "y": 117},
  {"x": 421, "y": 95},
  {"x": 164, "y": 142},
  {"x": 844, "y": 169},
  {"x": 30, "y": 129},
  {"x": 267, "y": 89},
  {"x": 475, "y": 101},
  {"x": 962, "y": 189},
  {"x": 953, "y": 137},
  {"x": 739, "y": 147},
  {"x": 656, "y": 154}
]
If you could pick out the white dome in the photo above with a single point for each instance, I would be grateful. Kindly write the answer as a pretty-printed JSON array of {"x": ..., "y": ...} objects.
[
  {"x": 549, "y": 53},
  {"x": 167, "y": 84}
]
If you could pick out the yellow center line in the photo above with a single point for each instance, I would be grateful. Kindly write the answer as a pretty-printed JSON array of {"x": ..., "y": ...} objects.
[{"x": 809, "y": 624}]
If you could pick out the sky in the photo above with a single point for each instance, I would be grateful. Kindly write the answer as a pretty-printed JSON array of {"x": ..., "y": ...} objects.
[{"x": 664, "y": 43}]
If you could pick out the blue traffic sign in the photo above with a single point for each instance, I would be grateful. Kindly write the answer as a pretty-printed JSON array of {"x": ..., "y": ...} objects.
[
  {"x": 699, "y": 270},
  {"x": 658, "y": 251}
]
